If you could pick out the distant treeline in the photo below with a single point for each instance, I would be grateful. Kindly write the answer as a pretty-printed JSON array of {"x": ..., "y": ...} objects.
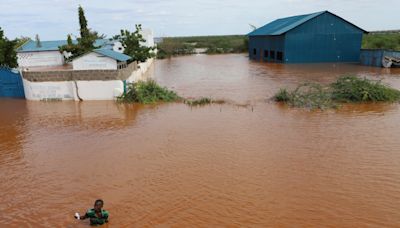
[
  {"x": 382, "y": 40},
  {"x": 172, "y": 46}
]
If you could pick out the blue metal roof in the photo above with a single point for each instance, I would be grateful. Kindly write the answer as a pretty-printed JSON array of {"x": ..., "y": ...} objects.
[
  {"x": 30, "y": 46},
  {"x": 283, "y": 25},
  {"x": 113, "y": 54}
]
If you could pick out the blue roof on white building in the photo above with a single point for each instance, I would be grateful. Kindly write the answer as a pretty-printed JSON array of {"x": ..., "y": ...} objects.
[
  {"x": 31, "y": 46},
  {"x": 113, "y": 54}
]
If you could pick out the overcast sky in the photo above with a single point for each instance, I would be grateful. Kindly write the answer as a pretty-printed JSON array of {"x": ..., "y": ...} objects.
[{"x": 54, "y": 19}]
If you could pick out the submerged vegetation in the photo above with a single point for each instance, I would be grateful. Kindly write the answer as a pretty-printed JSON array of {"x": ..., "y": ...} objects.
[
  {"x": 202, "y": 101},
  {"x": 308, "y": 95},
  {"x": 171, "y": 46},
  {"x": 148, "y": 92},
  {"x": 347, "y": 89}
]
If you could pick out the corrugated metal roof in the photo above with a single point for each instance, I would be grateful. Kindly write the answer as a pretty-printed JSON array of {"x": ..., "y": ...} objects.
[
  {"x": 113, "y": 54},
  {"x": 283, "y": 25},
  {"x": 30, "y": 46}
]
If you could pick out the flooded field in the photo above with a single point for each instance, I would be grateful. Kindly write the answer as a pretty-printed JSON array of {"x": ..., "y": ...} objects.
[{"x": 249, "y": 162}]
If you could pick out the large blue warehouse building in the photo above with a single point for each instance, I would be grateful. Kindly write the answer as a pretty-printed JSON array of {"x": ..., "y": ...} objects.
[{"x": 311, "y": 38}]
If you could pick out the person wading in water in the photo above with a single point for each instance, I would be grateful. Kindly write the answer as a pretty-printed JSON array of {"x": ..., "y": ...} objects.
[{"x": 97, "y": 215}]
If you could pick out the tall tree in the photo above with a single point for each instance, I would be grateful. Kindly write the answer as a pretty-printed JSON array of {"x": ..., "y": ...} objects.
[
  {"x": 37, "y": 39},
  {"x": 69, "y": 40},
  {"x": 8, "y": 55},
  {"x": 86, "y": 40},
  {"x": 132, "y": 42}
]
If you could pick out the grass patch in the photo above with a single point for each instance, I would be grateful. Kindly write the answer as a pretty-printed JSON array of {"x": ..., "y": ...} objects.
[
  {"x": 148, "y": 92},
  {"x": 347, "y": 89},
  {"x": 202, "y": 101}
]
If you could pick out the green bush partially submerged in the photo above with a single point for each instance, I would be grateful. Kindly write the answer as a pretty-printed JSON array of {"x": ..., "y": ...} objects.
[
  {"x": 148, "y": 92},
  {"x": 308, "y": 95},
  {"x": 345, "y": 89},
  {"x": 353, "y": 89}
]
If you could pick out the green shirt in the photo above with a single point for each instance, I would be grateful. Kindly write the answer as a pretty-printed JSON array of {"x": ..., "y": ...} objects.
[{"x": 94, "y": 219}]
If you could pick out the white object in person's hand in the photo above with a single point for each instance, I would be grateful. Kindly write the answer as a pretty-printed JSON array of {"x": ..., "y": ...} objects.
[{"x": 77, "y": 216}]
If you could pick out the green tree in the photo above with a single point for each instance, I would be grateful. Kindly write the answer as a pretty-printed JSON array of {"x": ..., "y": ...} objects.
[
  {"x": 132, "y": 42},
  {"x": 86, "y": 40},
  {"x": 8, "y": 55},
  {"x": 69, "y": 40},
  {"x": 37, "y": 39}
]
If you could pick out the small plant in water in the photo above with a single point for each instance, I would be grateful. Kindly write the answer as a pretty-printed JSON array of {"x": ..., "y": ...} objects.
[
  {"x": 148, "y": 92},
  {"x": 202, "y": 101}
]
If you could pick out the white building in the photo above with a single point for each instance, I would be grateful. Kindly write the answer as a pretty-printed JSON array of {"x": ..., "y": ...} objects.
[
  {"x": 101, "y": 59},
  {"x": 47, "y": 54},
  {"x": 149, "y": 37}
]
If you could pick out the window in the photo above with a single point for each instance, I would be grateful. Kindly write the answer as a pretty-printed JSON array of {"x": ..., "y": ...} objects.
[
  {"x": 254, "y": 51},
  {"x": 279, "y": 56},
  {"x": 265, "y": 53},
  {"x": 272, "y": 54}
]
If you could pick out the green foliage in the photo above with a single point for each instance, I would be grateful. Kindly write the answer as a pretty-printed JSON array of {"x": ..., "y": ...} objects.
[
  {"x": 37, "y": 40},
  {"x": 172, "y": 46},
  {"x": 198, "y": 102},
  {"x": 353, "y": 89},
  {"x": 308, "y": 95},
  {"x": 148, "y": 92},
  {"x": 132, "y": 42},
  {"x": 345, "y": 89},
  {"x": 202, "y": 101},
  {"x": 389, "y": 41},
  {"x": 21, "y": 41},
  {"x": 69, "y": 40},
  {"x": 8, "y": 55},
  {"x": 282, "y": 96},
  {"x": 85, "y": 41}
]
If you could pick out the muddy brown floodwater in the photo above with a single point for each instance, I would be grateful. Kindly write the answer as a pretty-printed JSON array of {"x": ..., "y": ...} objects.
[{"x": 249, "y": 162}]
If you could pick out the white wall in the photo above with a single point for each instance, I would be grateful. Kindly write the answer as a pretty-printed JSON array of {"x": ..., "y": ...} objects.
[
  {"x": 148, "y": 36},
  {"x": 87, "y": 90},
  {"x": 42, "y": 58},
  {"x": 143, "y": 73},
  {"x": 94, "y": 61}
]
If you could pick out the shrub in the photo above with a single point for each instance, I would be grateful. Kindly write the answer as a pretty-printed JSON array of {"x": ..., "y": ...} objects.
[
  {"x": 353, "y": 89},
  {"x": 147, "y": 92},
  {"x": 345, "y": 89},
  {"x": 308, "y": 95}
]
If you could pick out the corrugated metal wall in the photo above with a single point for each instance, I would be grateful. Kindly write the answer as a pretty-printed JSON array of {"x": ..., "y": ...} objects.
[
  {"x": 370, "y": 57},
  {"x": 11, "y": 84},
  {"x": 258, "y": 45},
  {"x": 326, "y": 38}
]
